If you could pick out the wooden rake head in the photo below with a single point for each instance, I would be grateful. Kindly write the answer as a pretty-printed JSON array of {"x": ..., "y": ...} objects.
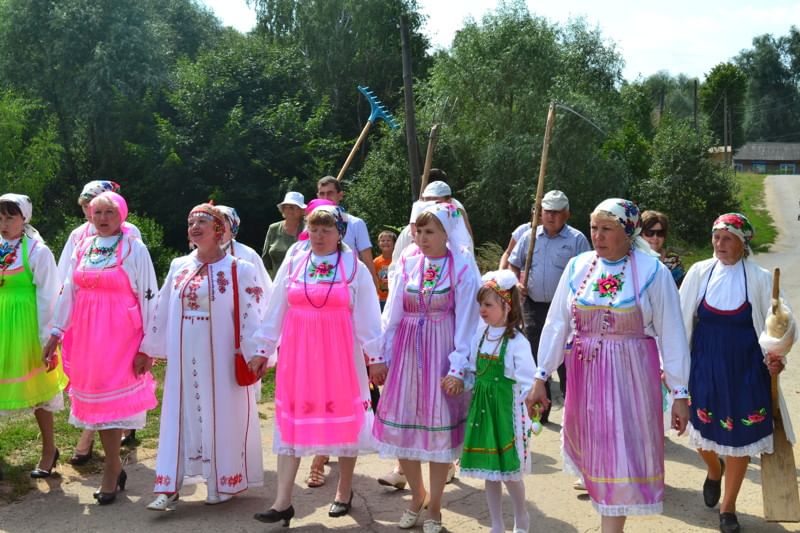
[{"x": 377, "y": 109}]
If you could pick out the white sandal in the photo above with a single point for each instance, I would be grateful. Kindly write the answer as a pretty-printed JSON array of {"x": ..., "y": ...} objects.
[
  {"x": 164, "y": 502},
  {"x": 432, "y": 526},
  {"x": 411, "y": 518}
]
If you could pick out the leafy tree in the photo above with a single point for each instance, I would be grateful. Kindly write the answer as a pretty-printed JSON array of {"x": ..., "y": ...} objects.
[
  {"x": 725, "y": 79},
  {"x": 684, "y": 182}
]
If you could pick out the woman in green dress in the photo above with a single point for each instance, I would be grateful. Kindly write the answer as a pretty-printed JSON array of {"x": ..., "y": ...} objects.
[
  {"x": 282, "y": 234},
  {"x": 28, "y": 290}
]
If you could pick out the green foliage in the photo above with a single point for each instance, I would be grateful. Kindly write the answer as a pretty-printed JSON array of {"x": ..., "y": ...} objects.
[
  {"x": 684, "y": 183},
  {"x": 488, "y": 255},
  {"x": 725, "y": 79}
]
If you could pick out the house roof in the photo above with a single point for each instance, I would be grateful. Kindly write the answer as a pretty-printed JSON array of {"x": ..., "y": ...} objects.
[{"x": 768, "y": 152}]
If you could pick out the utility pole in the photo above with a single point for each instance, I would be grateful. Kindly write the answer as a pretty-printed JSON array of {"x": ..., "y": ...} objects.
[
  {"x": 730, "y": 132},
  {"x": 725, "y": 128},
  {"x": 411, "y": 121},
  {"x": 694, "y": 108}
]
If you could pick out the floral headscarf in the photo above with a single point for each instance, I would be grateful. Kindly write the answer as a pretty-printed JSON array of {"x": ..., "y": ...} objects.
[
  {"x": 233, "y": 218},
  {"x": 628, "y": 215},
  {"x": 26, "y": 206},
  {"x": 93, "y": 188},
  {"x": 737, "y": 224},
  {"x": 339, "y": 216}
]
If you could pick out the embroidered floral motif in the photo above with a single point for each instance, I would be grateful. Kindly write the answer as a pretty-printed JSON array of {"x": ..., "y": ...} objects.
[
  {"x": 190, "y": 292},
  {"x": 230, "y": 481},
  {"x": 607, "y": 285},
  {"x": 256, "y": 292},
  {"x": 705, "y": 416},
  {"x": 222, "y": 283},
  {"x": 367, "y": 405},
  {"x": 755, "y": 418},
  {"x": 180, "y": 277},
  {"x": 163, "y": 479},
  {"x": 727, "y": 424},
  {"x": 322, "y": 270},
  {"x": 431, "y": 276}
]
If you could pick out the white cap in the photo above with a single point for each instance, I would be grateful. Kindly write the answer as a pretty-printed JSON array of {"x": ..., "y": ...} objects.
[
  {"x": 293, "y": 198},
  {"x": 417, "y": 208},
  {"x": 555, "y": 201},
  {"x": 437, "y": 189}
]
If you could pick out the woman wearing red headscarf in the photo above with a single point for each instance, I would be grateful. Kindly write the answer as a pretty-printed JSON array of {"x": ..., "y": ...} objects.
[
  {"x": 107, "y": 297},
  {"x": 209, "y": 423}
]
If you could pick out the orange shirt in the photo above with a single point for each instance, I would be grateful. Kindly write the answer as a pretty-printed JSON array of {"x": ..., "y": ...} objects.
[{"x": 382, "y": 271}]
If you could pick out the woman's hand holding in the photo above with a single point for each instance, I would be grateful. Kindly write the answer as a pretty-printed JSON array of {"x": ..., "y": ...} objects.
[
  {"x": 453, "y": 386},
  {"x": 680, "y": 415},
  {"x": 49, "y": 358},
  {"x": 142, "y": 363},
  {"x": 775, "y": 364},
  {"x": 377, "y": 373},
  {"x": 537, "y": 396},
  {"x": 258, "y": 365}
]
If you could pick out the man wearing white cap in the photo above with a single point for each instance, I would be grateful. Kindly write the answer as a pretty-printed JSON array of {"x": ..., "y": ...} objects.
[{"x": 556, "y": 244}]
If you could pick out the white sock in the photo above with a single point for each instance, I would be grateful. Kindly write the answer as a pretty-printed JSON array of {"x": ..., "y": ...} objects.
[
  {"x": 516, "y": 489},
  {"x": 494, "y": 497}
]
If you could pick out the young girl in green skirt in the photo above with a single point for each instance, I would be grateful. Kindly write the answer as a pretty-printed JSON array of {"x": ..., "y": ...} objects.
[{"x": 498, "y": 426}]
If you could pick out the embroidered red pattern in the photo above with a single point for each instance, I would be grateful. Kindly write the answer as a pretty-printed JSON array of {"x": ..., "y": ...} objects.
[
  {"x": 230, "y": 481},
  {"x": 163, "y": 479},
  {"x": 191, "y": 291},
  {"x": 222, "y": 283},
  {"x": 256, "y": 292},
  {"x": 180, "y": 277}
]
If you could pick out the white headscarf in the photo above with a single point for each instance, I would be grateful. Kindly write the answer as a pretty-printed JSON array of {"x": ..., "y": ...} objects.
[
  {"x": 452, "y": 220},
  {"x": 26, "y": 206}
]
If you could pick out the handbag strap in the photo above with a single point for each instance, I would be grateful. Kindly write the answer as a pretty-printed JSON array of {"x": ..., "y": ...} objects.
[{"x": 235, "y": 304}]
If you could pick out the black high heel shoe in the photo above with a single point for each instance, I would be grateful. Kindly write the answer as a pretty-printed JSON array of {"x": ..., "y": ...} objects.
[
  {"x": 338, "y": 509},
  {"x": 79, "y": 459},
  {"x": 38, "y": 473},
  {"x": 129, "y": 440},
  {"x": 272, "y": 516},
  {"x": 104, "y": 498}
]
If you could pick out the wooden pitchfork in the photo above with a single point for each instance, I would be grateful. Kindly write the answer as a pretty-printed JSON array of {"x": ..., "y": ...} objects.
[{"x": 377, "y": 110}]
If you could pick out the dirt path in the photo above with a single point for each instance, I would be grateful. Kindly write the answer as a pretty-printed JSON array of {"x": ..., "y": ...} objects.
[{"x": 65, "y": 503}]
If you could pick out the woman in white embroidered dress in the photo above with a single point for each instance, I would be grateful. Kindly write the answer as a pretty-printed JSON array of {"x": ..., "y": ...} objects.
[
  {"x": 612, "y": 311},
  {"x": 325, "y": 311},
  {"x": 209, "y": 423}
]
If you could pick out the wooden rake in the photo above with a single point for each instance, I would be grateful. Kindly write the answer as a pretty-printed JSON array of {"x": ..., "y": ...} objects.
[{"x": 377, "y": 111}]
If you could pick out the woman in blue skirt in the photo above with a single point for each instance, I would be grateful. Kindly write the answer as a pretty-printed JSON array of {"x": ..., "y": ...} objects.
[{"x": 725, "y": 301}]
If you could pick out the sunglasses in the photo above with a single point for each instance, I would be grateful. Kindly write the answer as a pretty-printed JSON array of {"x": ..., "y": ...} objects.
[{"x": 655, "y": 233}]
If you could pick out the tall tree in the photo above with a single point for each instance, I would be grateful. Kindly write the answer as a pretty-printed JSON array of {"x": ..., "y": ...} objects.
[{"x": 728, "y": 82}]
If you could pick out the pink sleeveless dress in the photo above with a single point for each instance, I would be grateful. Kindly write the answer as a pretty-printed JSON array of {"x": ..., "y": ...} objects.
[
  {"x": 613, "y": 432},
  {"x": 105, "y": 334},
  {"x": 317, "y": 395}
]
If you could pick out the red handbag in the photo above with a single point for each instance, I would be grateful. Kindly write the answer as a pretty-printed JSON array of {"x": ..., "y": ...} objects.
[{"x": 244, "y": 376}]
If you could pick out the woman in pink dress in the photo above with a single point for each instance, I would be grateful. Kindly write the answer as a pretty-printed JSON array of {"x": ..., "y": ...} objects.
[
  {"x": 613, "y": 309},
  {"x": 107, "y": 297},
  {"x": 325, "y": 311}
]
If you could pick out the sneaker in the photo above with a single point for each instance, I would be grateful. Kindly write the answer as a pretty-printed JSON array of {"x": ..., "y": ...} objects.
[
  {"x": 393, "y": 479},
  {"x": 164, "y": 502}
]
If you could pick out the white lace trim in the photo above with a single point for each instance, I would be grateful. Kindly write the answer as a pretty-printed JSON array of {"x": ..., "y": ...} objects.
[
  {"x": 628, "y": 510},
  {"x": 491, "y": 475},
  {"x": 309, "y": 451},
  {"x": 696, "y": 440},
  {"x": 137, "y": 421},
  {"x": 388, "y": 451},
  {"x": 54, "y": 404}
]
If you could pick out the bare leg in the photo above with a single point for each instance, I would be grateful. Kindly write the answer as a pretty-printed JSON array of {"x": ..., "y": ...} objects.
[
  {"x": 494, "y": 497},
  {"x": 113, "y": 465},
  {"x": 438, "y": 480},
  {"x": 711, "y": 459},
  {"x": 84, "y": 442},
  {"x": 612, "y": 524},
  {"x": 735, "y": 469},
  {"x": 287, "y": 472},
  {"x": 516, "y": 489},
  {"x": 45, "y": 420},
  {"x": 413, "y": 472},
  {"x": 347, "y": 466},
  {"x": 398, "y": 467}
]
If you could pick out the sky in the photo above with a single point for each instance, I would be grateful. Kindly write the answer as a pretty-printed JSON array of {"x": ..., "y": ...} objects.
[{"x": 679, "y": 36}]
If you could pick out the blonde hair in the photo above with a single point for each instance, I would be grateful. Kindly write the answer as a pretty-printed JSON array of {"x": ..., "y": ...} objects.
[
  {"x": 426, "y": 218},
  {"x": 103, "y": 201},
  {"x": 320, "y": 217}
]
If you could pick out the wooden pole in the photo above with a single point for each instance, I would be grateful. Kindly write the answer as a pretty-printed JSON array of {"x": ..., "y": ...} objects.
[
  {"x": 536, "y": 215},
  {"x": 411, "y": 122},
  {"x": 778, "y": 469},
  {"x": 356, "y": 146},
  {"x": 426, "y": 171}
]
